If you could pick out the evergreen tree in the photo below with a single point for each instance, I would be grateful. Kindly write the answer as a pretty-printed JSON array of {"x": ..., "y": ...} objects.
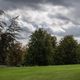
[
  {"x": 40, "y": 50},
  {"x": 66, "y": 51}
]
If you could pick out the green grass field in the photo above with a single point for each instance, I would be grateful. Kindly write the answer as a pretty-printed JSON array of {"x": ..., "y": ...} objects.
[{"x": 66, "y": 72}]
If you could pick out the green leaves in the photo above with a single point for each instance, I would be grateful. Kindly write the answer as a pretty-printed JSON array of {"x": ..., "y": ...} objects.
[
  {"x": 40, "y": 48},
  {"x": 66, "y": 51}
]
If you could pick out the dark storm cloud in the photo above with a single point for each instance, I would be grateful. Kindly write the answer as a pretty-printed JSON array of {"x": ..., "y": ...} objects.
[
  {"x": 28, "y": 1},
  {"x": 44, "y": 6},
  {"x": 12, "y": 4},
  {"x": 55, "y": 2},
  {"x": 22, "y": 3}
]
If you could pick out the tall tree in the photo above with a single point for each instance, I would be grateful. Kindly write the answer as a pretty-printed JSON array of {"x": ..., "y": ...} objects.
[
  {"x": 7, "y": 37},
  {"x": 66, "y": 51},
  {"x": 40, "y": 48}
]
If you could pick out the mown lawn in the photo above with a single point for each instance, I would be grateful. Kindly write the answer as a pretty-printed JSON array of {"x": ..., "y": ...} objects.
[{"x": 66, "y": 72}]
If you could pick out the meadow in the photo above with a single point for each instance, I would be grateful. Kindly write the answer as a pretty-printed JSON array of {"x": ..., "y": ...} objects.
[{"x": 62, "y": 72}]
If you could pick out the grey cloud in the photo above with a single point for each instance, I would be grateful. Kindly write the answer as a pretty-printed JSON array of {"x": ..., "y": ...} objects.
[
  {"x": 55, "y": 2},
  {"x": 64, "y": 18},
  {"x": 22, "y": 3},
  {"x": 27, "y": 1},
  {"x": 13, "y": 4},
  {"x": 75, "y": 31},
  {"x": 74, "y": 17}
]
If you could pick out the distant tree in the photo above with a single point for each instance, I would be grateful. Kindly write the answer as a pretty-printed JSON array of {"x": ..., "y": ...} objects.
[
  {"x": 14, "y": 55},
  {"x": 78, "y": 54},
  {"x": 24, "y": 52},
  {"x": 66, "y": 51},
  {"x": 40, "y": 50}
]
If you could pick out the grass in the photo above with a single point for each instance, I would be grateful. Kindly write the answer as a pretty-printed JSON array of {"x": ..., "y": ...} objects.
[{"x": 66, "y": 72}]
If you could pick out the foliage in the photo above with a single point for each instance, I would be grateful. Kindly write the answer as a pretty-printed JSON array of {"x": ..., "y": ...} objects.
[
  {"x": 40, "y": 48},
  {"x": 78, "y": 54},
  {"x": 14, "y": 55},
  {"x": 7, "y": 37},
  {"x": 66, "y": 51}
]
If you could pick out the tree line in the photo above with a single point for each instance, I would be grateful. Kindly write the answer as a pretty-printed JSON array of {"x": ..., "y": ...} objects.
[{"x": 42, "y": 49}]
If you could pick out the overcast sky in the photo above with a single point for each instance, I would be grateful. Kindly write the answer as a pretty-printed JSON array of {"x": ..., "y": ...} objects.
[{"x": 58, "y": 17}]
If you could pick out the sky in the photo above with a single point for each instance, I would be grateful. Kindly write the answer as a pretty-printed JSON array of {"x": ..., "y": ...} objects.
[{"x": 58, "y": 17}]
